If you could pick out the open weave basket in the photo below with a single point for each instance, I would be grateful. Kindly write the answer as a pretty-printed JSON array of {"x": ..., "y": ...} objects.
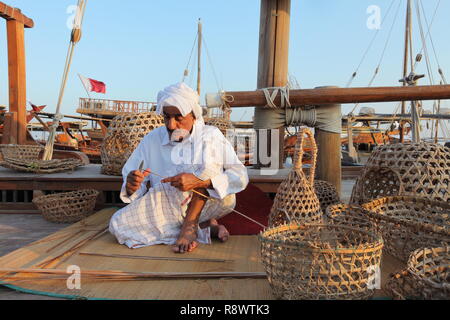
[
  {"x": 296, "y": 200},
  {"x": 320, "y": 261},
  {"x": 415, "y": 169},
  {"x": 409, "y": 223},
  {"x": 326, "y": 193},
  {"x": 42, "y": 166},
  {"x": 20, "y": 152},
  {"x": 350, "y": 215},
  {"x": 221, "y": 123},
  {"x": 124, "y": 134},
  {"x": 431, "y": 267},
  {"x": 67, "y": 207}
]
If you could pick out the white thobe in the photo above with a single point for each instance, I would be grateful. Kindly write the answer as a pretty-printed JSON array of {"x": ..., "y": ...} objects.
[{"x": 155, "y": 215}]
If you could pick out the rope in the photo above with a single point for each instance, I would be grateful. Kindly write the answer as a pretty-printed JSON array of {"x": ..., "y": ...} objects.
[
  {"x": 211, "y": 64},
  {"x": 284, "y": 97},
  {"x": 75, "y": 37},
  {"x": 186, "y": 71}
]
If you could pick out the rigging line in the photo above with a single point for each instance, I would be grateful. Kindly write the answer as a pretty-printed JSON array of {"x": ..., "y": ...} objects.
[
  {"x": 211, "y": 64},
  {"x": 383, "y": 53},
  {"x": 368, "y": 48},
  {"x": 190, "y": 57},
  {"x": 431, "y": 38},
  {"x": 424, "y": 43}
]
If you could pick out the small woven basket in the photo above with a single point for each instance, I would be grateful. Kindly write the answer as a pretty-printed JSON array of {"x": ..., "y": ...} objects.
[
  {"x": 320, "y": 261},
  {"x": 409, "y": 223},
  {"x": 431, "y": 268},
  {"x": 326, "y": 193},
  {"x": 350, "y": 215},
  {"x": 402, "y": 286},
  {"x": 296, "y": 199},
  {"x": 68, "y": 207},
  {"x": 20, "y": 152},
  {"x": 42, "y": 166}
]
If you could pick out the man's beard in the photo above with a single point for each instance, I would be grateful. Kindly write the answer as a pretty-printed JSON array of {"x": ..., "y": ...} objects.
[{"x": 179, "y": 135}]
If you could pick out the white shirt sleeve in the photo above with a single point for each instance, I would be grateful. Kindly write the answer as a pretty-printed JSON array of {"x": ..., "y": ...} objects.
[
  {"x": 133, "y": 164},
  {"x": 223, "y": 167}
]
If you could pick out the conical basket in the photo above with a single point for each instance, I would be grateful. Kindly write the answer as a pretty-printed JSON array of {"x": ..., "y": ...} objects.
[
  {"x": 296, "y": 200},
  {"x": 326, "y": 193},
  {"x": 321, "y": 261}
]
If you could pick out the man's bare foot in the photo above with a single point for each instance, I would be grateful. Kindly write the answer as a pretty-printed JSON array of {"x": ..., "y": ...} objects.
[
  {"x": 187, "y": 239},
  {"x": 218, "y": 231}
]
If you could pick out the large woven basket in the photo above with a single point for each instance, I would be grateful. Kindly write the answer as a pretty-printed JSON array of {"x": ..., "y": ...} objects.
[
  {"x": 415, "y": 169},
  {"x": 296, "y": 200},
  {"x": 67, "y": 207},
  {"x": 350, "y": 215},
  {"x": 409, "y": 223},
  {"x": 20, "y": 152},
  {"x": 124, "y": 134},
  {"x": 221, "y": 123},
  {"x": 42, "y": 166},
  {"x": 320, "y": 261}
]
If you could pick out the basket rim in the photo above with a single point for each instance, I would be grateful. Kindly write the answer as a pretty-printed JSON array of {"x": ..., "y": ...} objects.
[
  {"x": 431, "y": 227},
  {"x": 376, "y": 245}
]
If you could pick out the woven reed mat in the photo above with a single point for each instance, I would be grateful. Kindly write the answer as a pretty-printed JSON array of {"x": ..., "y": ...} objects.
[{"x": 242, "y": 250}]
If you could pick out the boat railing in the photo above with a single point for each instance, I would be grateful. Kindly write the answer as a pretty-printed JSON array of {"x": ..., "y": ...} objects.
[{"x": 89, "y": 105}]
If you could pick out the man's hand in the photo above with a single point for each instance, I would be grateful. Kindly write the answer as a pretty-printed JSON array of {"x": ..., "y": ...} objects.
[
  {"x": 135, "y": 179},
  {"x": 187, "y": 182}
]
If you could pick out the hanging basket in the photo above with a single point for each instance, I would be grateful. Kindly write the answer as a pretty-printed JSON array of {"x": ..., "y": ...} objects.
[
  {"x": 296, "y": 200},
  {"x": 42, "y": 166},
  {"x": 409, "y": 223},
  {"x": 431, "y": 268},
  {"x": 414, "y": 169},
  {"x": 68, "y": 207},
  {"x": 326, "y": 193},
  {"x": 124, "y": 134},
  {"x": 320, "y": 261},
  {"x": 20, "y": 152}
]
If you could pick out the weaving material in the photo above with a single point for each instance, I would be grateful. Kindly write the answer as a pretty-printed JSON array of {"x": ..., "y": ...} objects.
[
  {"x": 296, "y": 200},
  {"x": 350, "y": 215},
  {"x": 320, "y": 261},
  {"x": 124, "y": 134},
  {"x": 409, "y": 223},
  {"x": 67, "y": 207},
  {"x": 42, "y": 166},
  {"x": 417, "y": 169}
]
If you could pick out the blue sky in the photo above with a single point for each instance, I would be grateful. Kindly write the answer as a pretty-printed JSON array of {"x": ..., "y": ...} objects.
[{"x": 138, "y": 47}]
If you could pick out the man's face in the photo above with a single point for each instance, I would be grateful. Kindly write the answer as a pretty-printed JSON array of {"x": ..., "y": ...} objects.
[{"x": 174, "y": 120}]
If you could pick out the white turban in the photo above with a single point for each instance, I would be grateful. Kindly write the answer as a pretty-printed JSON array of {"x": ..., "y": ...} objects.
[{"x": 181, "y": 96}]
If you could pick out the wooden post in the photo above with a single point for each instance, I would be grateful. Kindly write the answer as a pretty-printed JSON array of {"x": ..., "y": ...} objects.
[
  {"x": 17, "y": 78},
  {"x": 9, "y": 126},
  {"x": 273, "y": 54}
]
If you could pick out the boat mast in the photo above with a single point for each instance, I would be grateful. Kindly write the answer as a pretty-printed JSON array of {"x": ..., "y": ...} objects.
[{"x": 405, "y": 61}]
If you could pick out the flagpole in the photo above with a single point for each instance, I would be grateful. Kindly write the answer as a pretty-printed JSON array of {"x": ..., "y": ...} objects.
[{"x": 87, "y": 91}]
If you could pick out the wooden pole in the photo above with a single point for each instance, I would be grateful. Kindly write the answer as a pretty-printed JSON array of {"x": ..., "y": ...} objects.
[
  {"x": 17, "y": 78},
  {"x": 323, "y": 96},
  {"x": 273, "y": 56},
  {"x": 405, "y": 61}
]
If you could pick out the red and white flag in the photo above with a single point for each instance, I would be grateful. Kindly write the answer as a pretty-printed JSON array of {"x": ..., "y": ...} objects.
[{"x": 93, "y": 85}]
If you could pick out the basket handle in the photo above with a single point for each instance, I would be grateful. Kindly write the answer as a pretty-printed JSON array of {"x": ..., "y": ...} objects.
[{"x": 299, "y": 153}]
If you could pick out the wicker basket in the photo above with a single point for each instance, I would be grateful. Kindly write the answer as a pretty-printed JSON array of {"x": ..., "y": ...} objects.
[
  {"x": 20, "y": 152},
  {"x": 42, "y": 166},
  {"x": 350, "y": 215},
  {"x": 320, "y": 261},
  {"x": 431, "y": 268},
  {"x": 416, "y": 169},
  {"x": 402, "y": 286},
  {"x": 68, "y": 207},
  {"x": 221, "y": 123},
  {"x": 124, "y": 134},
  {"x": 326, "y": 193},
  {"x": 409, "y": 223},
  {"x": 296, "y": 200}
]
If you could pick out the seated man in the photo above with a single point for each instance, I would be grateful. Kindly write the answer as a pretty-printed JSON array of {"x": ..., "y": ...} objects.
[{"x": 193, "y": 157}]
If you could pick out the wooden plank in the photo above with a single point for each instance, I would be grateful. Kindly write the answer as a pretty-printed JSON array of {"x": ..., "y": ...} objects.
[
  {"x": 322, "y": 96},
  {"x": 17, "y": 77},
  {"x": 10, "y": 13}
]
